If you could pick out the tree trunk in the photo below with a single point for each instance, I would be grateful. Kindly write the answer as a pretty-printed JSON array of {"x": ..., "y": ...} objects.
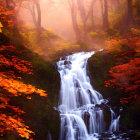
[
  {"x": 83, "y": 17},
  {"x": 102, "y": 11},
  {"x": 105, "y": 16},
  {"x": 118, "y": 2},
  {"x": 77, "y": 31},
  {"x": 38, "y": 17},
  {"x": 129, "y": 13},
  {"x": 75, "y": 25},
  {"x": 92, "y": 16},
  {"x": 19, "y": 7}
]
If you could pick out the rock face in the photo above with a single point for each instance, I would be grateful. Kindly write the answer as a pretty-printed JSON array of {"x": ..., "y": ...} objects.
[
  {"x": 98, "y": 67},
  {"x": 44, "y": 119},
  {"x": 48, "y": 78}
]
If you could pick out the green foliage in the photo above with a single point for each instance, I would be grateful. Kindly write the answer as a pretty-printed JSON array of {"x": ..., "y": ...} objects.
[
  {"x": 135, "y": 32},
  {"x": 98, "y": 66},
  {"x": 47, "y": 34},
  {"x": 92, "y": 34},
  {"x": 112, "y": 33},
  {"x": 130, "y": 116},
  {"x": 137, "y": 136},
  {"x": 84, "y": 46},
  {"x": 39, "y": 44},
  {"x": 115, "y": 18},
  {"x": 97, "y": 35}
]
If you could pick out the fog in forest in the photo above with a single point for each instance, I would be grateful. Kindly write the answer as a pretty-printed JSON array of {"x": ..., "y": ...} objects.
[
  {"x": 49, "y": 26},
  {"x": 56, "y": 16}
]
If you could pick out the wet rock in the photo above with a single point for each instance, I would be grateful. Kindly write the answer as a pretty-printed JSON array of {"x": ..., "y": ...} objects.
[
  {"x": 102, "y": 106},
  {"x": 106, "y": 135},
  {"x": 67, "y": 62}
]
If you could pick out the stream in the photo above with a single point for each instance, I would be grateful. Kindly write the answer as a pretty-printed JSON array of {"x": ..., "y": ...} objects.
[{"x": 81, "y": 107}]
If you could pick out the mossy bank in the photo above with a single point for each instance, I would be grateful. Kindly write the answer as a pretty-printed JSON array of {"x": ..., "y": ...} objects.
[{"x": 98, "y": 67}]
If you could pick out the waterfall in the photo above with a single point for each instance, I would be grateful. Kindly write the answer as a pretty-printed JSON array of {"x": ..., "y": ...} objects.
[{"x": 82, "y": 117}]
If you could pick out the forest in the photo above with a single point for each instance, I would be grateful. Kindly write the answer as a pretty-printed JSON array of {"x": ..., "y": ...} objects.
[{"x": 40, "y": 42}]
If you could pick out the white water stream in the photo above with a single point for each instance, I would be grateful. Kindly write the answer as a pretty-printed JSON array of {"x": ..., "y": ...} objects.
[{"x": 82, "y": 118}]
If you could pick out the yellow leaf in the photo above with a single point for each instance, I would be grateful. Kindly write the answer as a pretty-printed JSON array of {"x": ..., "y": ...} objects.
[{"x": 1, "y": 25}]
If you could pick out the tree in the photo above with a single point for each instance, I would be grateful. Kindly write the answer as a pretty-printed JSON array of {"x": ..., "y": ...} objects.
[
  {"x": 126, "y": 77},
  {"x": 73, "y": 9},
  {"x": 85, "y": 13},
  {"x": 92, "y": 16},
  {"x": 104, "y": 11},
  {"x": 7, "y": 15},
  {"x": 12, "y": 70},
  {"x": 34, "y": 7},
  {"x": 125, "y": 74},
  {"x": 129, "y": 13},
  {"x": 9, "y": 10}
]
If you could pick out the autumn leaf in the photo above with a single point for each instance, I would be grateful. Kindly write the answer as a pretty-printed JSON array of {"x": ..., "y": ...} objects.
[
  {"x": 10, "y": 87},
  {"x": 125, "y": 74}
]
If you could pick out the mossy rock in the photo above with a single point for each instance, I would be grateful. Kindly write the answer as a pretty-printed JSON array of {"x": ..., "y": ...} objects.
[{"x": 98, "y": 66}]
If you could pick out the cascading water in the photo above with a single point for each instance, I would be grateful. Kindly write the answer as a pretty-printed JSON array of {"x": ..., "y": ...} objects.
[{"x": 82, "y": 118}]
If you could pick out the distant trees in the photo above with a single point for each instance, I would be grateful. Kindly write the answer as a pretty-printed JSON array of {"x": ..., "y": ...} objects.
[
  {"x": 84, "y": 21},
  {"x": 82, "y": 13},
  {"x": 78, "y": 9},
  {"x": 86, "y": 14},
  {"x": 35, "y": 10},
  {"x": 14, "y": 4},
  {"x": 83, "y": 16},
  {"x": 104, "y": 9},
  {"x": 73, "y": 10},
  {"x": 32, "y": 5}
]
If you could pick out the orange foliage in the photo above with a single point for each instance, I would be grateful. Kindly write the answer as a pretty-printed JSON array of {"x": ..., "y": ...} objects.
[
  {"x": 6, "y": 15},
  {"x": 119, "y": 44},
  {"x": 127, "y": 78},
  {"x": 126, "y": 74},
  {"x": 9, "y": 123},
  {"x": 135, "y": 31},
  {"x": 13, "y": 61},
  {"x": 113, "y": 44},
  {"x": 8, "y": 48},
  {"x": 17, "y": 88},
  {"x": 11, "y": 87}
]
